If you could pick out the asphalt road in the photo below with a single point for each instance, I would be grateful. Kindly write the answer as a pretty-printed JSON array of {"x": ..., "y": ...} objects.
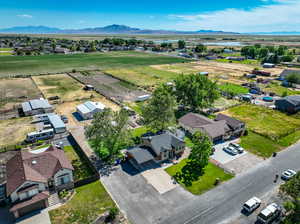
[{"x": 223, "y": 203}]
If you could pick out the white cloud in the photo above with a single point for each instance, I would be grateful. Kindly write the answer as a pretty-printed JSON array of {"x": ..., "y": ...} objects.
[
  {"x": 279, "y": 15},
  {"x": 25, "y": 16}
]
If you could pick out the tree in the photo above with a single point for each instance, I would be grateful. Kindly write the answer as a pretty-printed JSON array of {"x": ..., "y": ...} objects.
[
  {"x": 293, "y": 78},
  {"x": 197, "y": 160},
  {"x": 200, "y": 48},
  {"x": 263, "y": 52},
  {"x": 109, "y": 133},
  {"x": 158, "y": 113},
  {"x": 181, "y": 44},
  {"x": 195, "y": 91}
]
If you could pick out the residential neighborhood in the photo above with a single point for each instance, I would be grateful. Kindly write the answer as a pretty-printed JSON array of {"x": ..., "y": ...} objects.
[{"x": 188, "y": 115}]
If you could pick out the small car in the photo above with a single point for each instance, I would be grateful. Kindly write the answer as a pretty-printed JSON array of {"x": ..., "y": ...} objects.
[
  {"x": 251, "y": 204},
  {"x": 237, "y": 147},
  {"x": 288, "y": 174},
  {"x": 230, "y": 150}
]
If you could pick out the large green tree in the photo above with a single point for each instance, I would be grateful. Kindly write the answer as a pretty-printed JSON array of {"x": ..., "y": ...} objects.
[
  {"x": 200, "y": 48},
  {"x": 158, "y": 113},
  {"x": 109, "y": 133},
  {"x": 181, "y": 44},
  {"x": 195, "y": 91}
]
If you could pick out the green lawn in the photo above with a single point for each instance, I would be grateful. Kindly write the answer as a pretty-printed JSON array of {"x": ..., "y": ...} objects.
[
  {"x": 138, "y": 132},
  {"x": 61, "y": 63},
  {"x": 205, "y": 182},
  {"x": 225, "y": 103},
  {"x": 6, "y": 49},
  {"x": 5, "y": 53},
  {"x": 270, "y": 123},
  {"x": 279, "y": 90},
  {"x": 259, "y": 145},
  {"x": 233, "y": 89},
  {"x": 88, "y": 203},
  {"x": 136, "y": 106},
  {"x": 81, "y": 168},
  {"x": 246, "y": 62}
]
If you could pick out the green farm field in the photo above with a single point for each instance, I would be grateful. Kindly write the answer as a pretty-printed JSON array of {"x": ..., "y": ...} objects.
[{"x": 32, "y": 65}]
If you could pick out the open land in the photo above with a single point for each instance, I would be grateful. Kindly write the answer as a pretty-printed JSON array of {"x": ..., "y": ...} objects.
[
  {"x": 13, "y": 131},
  {"x": 15, "y": 91},
  {"x": 33, "y": 65}
]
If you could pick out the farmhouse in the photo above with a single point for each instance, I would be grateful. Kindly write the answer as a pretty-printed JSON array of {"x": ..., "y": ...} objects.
[
  {"x": 222, "y": 128},
  {"x": 156, "y": 149},
  {"x": 89, "y": 108},
  {"x": 33, "y": 177},
  {"x": 36, "y": 106},
  {"x": 288, "y": 104}
]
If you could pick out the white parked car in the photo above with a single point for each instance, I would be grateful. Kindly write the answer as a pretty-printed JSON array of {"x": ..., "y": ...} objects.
[
  {"x": 269, "y": 214},
  {"x": 230, "y": 150},
  {"x": 252, "y": 204},
  {"x": 237, "y": 147},
  {"x": 288, "y": 174}
]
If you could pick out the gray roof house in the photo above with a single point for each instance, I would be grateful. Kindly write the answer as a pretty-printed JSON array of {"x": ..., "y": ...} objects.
[
  {"x": 155, "y": 149},
  {"x": 288, "y": 104},
  {"x": 222, "y": 128},
  {"x": 36, "y": 106}
]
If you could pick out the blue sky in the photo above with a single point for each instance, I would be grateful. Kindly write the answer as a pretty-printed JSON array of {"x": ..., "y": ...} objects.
[{"x": 227, "y": 15}]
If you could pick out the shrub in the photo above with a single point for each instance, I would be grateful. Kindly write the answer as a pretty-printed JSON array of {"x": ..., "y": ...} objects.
[{"x": 113, "y": 212}]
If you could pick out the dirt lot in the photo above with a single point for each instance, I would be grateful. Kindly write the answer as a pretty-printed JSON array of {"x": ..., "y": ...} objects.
[
  {"x": 68, "y": 108},
  {"x": 231, "y": 72},
  {"x": 15, "y": 91},
  {"x": 62, "y": 85},
  {"x": 14, "y": 131},
  {"x": 109, "y": 86}
]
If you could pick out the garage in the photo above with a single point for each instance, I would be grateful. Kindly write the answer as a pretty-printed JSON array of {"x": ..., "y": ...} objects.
[{"x": 33, "y": 207}]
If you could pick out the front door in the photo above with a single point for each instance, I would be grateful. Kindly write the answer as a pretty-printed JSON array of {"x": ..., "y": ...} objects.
[
  {"x": 171, "y": 154},
  {"x": 51, "y": 185}
]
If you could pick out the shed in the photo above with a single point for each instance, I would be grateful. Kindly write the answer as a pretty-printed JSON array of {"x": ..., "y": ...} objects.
[
  {"x": 88, "y": 109},
  {"x": 57, "y": 124}
]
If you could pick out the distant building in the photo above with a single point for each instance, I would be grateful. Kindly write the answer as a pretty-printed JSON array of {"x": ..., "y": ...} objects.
[
  {"x": 287, "y": 72},
  {"x": 288, "y": 104},
  {"x": 36, "y": 106},
  {"x": 268, "y": 65},
  {"x": 88, "y": 109},
  {"x": 59, "y": 50}
]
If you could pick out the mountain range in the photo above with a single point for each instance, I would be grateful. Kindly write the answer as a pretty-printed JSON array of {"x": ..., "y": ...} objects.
[{"x": 111, "y": 29}]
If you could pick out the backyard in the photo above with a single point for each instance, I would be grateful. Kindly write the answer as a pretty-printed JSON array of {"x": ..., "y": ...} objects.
[
  {"x": 205, "y": 182},
  {"x": 88, "y": 203},
  {"x": 65, "y": 63}
]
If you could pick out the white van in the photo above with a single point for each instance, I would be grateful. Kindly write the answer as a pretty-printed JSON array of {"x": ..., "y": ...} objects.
[
  {"x": 269, "y": 214},
  {"x": 252, "y": 204}
]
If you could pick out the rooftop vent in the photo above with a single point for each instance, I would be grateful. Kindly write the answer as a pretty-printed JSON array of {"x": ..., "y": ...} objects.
[{"x": 33, "y": 162}]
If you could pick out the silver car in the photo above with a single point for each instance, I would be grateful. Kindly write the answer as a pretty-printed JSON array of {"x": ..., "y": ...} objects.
[
  {"x": 237, "y": 147},
  {"x": 230, "y": 150},
  {"x": 288, "y": 174}
]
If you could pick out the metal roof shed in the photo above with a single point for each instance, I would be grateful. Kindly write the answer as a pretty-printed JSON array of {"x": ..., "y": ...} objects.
[{"x": 57, "y": 124}]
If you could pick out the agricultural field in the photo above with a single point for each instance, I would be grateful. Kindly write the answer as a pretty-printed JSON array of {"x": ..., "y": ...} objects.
[
  {"x": 61, "y": 85},
  {"x": 6, "y": 51},
  {"x": 14, "y": 131},
  {"x": 109, "y": 86},
  {"x": 144, "y": 76},
  {"x": 15, "y": 91},
  {"x": 32, "y": 65}
]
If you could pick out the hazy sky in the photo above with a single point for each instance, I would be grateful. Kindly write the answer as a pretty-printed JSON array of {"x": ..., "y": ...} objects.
[{"x": 226, "y": 15}]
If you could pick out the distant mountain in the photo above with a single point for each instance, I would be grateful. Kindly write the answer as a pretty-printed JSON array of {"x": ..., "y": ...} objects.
[
  {"x": 276, "y": 33},
  {"x": 30, "y": 29},
  {"x": 111, "y": 29}
]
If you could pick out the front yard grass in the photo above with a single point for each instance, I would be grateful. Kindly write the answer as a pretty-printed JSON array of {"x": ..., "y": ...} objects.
[
  {"x": 88, "y": 203},
  {"x": 81, "y": 168},
  {"x": 233, "y": 89},
  {"x": 259, "y": 145},
  {"x": 205, "y": 182}
]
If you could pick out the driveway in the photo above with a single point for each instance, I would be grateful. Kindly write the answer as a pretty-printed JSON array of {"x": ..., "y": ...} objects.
[
  {"x": 223, "y": 157},
  {"x": 5, "y": 216},
  {"x": 41, "y": 216},
  {"x": 139, "y": 200},
  {"x": 160, "y": 180}
]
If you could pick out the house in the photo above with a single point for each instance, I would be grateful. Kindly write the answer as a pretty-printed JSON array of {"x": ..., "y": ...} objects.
[
  {"x": 220, "y": 129},
  {"x": 288, "y": 104},
  {"x": 33, "y": 177},
  {"x": 60, "y": 50},
  {"x": 36, "y": 106},
  {"x": 232, "y": 58},
  {"x": 88, "y": 109},
  {"x": 156, "y": 149}
]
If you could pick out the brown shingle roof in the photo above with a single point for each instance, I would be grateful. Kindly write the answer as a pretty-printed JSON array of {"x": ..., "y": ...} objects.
[
  {"x": 195, "y": 120},
  {"x": 26, "y": 166},
  {"x": 234, "y": 123}
]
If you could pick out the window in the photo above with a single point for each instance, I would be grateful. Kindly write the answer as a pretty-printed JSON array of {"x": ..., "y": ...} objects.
[{"x": 64, "y": 179}]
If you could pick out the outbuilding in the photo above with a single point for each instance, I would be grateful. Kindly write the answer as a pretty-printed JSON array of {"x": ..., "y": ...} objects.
[
  {"x": 88, "y": 109},
  {"x": 57, "y": 124},
  {"x": 36, "y": 106}
]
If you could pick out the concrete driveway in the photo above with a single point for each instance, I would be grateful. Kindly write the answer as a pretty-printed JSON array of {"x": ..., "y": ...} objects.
[
  {"x": 41, "y": 216},
  {"x": 159, "y": 179},
  {"x": 223, "y": 157}
]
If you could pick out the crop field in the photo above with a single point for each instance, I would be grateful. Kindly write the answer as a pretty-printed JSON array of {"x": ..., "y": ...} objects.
[
  {"x": 145, "y": 76},
  {"x": 6, "y": 51},
  {"x": 62, "y": 85},
  {"x": 110, "y": 86},
  {"x": 65, "y": 63},
  {"x": 13, "y": 131},
  {"x": 266, "y": 122},
  {"x": 15, "y": 91}
]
